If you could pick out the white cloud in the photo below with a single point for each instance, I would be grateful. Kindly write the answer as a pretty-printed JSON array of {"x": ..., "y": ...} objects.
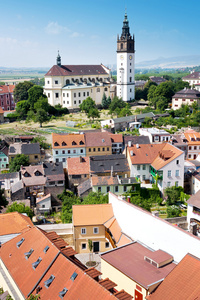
[
  {"x": 7, "y": 40},
  {"x": 55, "y": 28},
  {"x": 76, "y": 34}
]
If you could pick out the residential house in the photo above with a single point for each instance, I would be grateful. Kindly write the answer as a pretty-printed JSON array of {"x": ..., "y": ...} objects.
[
  {"x": 48, "y": 267},
  {"x": 23, "y": 138},
  {"x": 161, "y": 163},
  {"x": 124, "y": 123},
  {"x": 155, "y": 135},
  {"x": 105, "y": 184},
  {"x": 195, "y": 182},
  {"x": 139, "y": 84},
  {"x": 69, "y": 85},
  {"x": 4, "y": 154},
  {"x": 197, "y": 86},
  {"x": 180, "y": 141},
  {"x": 98, "y": 143},
  {"x": 12, "y": 224},
  {"x": 78, "y": 170},
  {"x": 43, "y": 204},
  {"x": 109, "y": 165},
  {"x": 193, "y": 213},
  {"x": 127, "y": 265},
  {"x": 67, "y": 145},
  {"x": 55, "y": 178},
  {"x": 158, "y": 80},
  {"x": 6, "y": 97},
  {"x": 7, "y": 180},
  {"x": 134, "y": 139},
  {"x": 192, "y": 79},
  {"x": 193, "y": 140},
  {"x": 97, "y": 223},
  {"x": 33, "y": 151},
  {"x": 117, "y": 143},
  {"x": 181, "y": 283},
  {"x": 186, "y": 97}
]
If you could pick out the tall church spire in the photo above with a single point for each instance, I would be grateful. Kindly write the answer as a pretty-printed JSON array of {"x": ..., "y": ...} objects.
[
  {"x": 58, "y": 59},
  {"x": 125, "y": 28}
]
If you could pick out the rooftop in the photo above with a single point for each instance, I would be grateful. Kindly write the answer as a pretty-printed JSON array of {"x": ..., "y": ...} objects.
[
  {"x": 97, "y": 139},
  {"x": 187, "y": 93},
  {"x": 194, "y": 200},
  {"x": 78, "y": 165},
  {"x": 14, "y": 222},
  {"x": 106, "y": 163},
  {"x": 67, "y": 141},
  {"x": 192, "y": 137}
]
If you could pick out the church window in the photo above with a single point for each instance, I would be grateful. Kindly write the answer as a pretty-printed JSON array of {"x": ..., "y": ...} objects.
[
  {"x": 57, "y": 95},
  {"x": 74, "y": 102},
  {"x": 121, "y": 46},
  {"x": 105, "y": 89},
  {"x": 130, "y": 46},
  {"x": 67, "y": 102},
  {"x": 83, "y": 94},
  {"x": 56, "y": 81},
  {"x": 87, "y": 93},
  {"x": 121, "y": 64},
  {"x": 130, "y": 64},
  {"x": 48, "y": 82},
  {"x": 67, "y": 94},
  {"x": 74, "y": 95},
  {"x": 48, "y": 95},
  {"x": 67, "y": 81},
  {"x": 79, "y": 94},
  {"x": 79, "y": 101},
  {"x": 130, "y": 90},
  {"x": 98, "y": 90},
  {"x": 130, "y": 70},
  {"x": 130, "y": 79}
]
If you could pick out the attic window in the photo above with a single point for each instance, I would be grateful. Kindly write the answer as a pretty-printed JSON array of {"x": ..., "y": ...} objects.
[
  {"x": 74, "y": 143},
  {"x": 26, "y": 174},
  {"x": 74, "y": 275},
  {"x": 64, "y": 144},
  {"x": 36, "y": 263},
  {"x": 103, "y": 140},
  {"x": 56, "y": 144},
  {"x": 46, "y": 249},
  {"x": 81, "y": 143},
  {"x": 116, "y": 164},
  {"x": 62, "y": 293},
  {"x": 28, "y": 254},
  {"x": 37, "y": 173},
  {"x": 48, "y": 282},
  {"x": 20, "y": 242},
  {"x": 193, "y": 139}
]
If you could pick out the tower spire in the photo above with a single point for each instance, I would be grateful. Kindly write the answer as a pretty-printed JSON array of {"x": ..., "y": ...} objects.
[
  {"x": 58, "y": 60},
  {"x": 125, "y": 28}
]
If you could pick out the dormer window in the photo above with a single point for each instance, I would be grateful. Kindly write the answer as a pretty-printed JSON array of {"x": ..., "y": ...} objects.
[
  {"x": 74, "y": 275},
  {"x": 81, "y": 143},
  {"x": 36, "y": 263},
  {"x": 28, "y": 254},
  {"x": 37, "y": 173},
  {"x": 26, "y": 174},
  {"x": 64, "y": 144},
  {"x": 56, "y": 144},
  {"x": 48, "y": 282},
  {"x": 46, "y": 249},
  {"x": 62, "y": 293},
  {"x": 20, "y": 242},
  {"x": 74, "y": 143}
]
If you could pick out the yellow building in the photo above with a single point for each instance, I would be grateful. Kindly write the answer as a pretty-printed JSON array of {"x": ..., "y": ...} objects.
[
  {"x": 33, "y": 151},
  {"x": 97, "y": 223},
  {"x": 98, "y": 143}
]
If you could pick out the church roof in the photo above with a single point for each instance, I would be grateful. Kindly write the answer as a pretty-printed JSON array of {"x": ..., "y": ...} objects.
[{"x": 76, "y": 70}]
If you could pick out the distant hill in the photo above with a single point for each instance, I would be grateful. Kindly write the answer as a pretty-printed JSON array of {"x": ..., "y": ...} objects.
[{"x": 171, "y": 62}]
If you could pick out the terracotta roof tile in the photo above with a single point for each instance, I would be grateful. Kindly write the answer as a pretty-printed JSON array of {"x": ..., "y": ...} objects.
[
  {"x": 97, "y": 139},
  {"x": 104, "y": 180},
  {"x": 92, "y": 272},
  {"x": 107, "y": 284},
  {"x": 115, "y": 230},
  {"x": 4, "y": 89},
  {"x": 145, "y": 154},
  {"x": 122, "y": 295},
  {"x": 116, "y": 138},
  {"x": 182, "y": 283},
  {"x": 94, "y": 214},
  {"x": 67, "y": 141},
  {"x": 14, "y": 222},
  {"x": 193, "y": 137},
  {"x": 124, "y": 239},
  {"x": 194, "y": 200},
  {"x": 78, "y": 165}
]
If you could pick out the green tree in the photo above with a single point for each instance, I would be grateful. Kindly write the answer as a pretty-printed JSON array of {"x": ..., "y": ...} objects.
[
  {"x": 3, "y": 201},
  {"x": 41, "y": 116},
  {"x": 33, "y": 297},
  {"x": 151, "y": 95},
  {"x": 180, "y": 85},
  {"x": 21, "y": 90},
  {"x": 116, "y": 103},
  {"x": 58, "y": 110},
  {"x": 21, "y": 208},
  {"x": 87, "y": 104},
  {"x": 161, "y": 103},
  {"x": 173, "y": 194},
  {"x": 108, "y": 101},
  {"x": 95, "y": 198},
  {"x": 104, "y": 101},
  {"x": 42, "y": 141},
  {"x": 165, "y": 89},
  {"x": 173, "y": 211},
  {"x": 125, "y": 111},
  {"x": 18, "y": 161},
  {"x": 22, "y": 109},
  {"x": 90, "y": 246},
  {"x": 34, "y": 94},
  {"x": 93, "y": 113},
  {"x": 68, "y": 199},
  {"x": 42, "y": 103}
]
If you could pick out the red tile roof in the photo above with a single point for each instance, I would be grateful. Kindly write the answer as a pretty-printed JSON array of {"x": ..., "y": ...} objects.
[
  {"x": 14, "y": 222},
  {"x": 32, "y": 179},
  {"x": 116, "y": 138},
  {"x": 193, "y": 137},
  {"x": 182, "y": 283},
  {"x": 76, "y": 70},
  {"x": 5, "y": 89},
  {"x": 78, "y": 165},
  {"x": 97, "y": 139},
  {"x": 67, "y": 141},
  {"x": 134, "y": 266}
]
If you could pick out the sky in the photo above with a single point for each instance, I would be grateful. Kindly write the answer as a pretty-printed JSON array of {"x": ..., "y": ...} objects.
[{"x": 85, "y": 31}]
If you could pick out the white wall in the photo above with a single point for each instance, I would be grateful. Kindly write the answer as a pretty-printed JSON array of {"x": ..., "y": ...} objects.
[{"x": 153, "y": 231}]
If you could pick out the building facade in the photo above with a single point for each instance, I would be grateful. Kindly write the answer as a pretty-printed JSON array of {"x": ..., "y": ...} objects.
[
  {"x": 6, "y": 97},
  {"x": 186, "y": 97},
  {"x": 126, "y": 63}
]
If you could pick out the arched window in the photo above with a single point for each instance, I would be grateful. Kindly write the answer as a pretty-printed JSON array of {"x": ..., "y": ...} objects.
[{"x": 67, "y": 81}]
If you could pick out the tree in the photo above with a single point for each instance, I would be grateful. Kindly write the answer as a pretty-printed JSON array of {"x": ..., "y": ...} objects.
[
  {"x": 33, "y": 297},
  {"x": 95, "y": 198},
  {"x": 18, "y": 161},
  {"x": 125, "y": 111},
  {"x": 42, "y": 103},
  {"x": 93, "y": 113},
  {"x": 90, "y": 246},
  {"x": 108, "y": 101},
  {"x": 21, "y": 90},
  {"x": 104, "y": 101},
  {"x": 68, "y": 199},
  {"x": 151, "y": 95},
  {"x": 173, "y": 211},
  {"x": 21, "y": 208},
  {"x": 87, "y": 104},
  {"x": 42, "y": 141},
  {"x": 3, "y": 201},
  {"x": 34, "y": 94},
  {"x": 161, "y": 103},
  {"x": 116, "y": 103},
  {"x": 22, "y": 109},
  {"x": 41, "y": 116},
  {"x": 165, "y": 89},
  {"x": 173, "y": 194}
]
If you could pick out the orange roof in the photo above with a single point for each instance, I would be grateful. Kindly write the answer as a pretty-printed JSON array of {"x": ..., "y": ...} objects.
[
  {"x": 93, "y": 214},
  {"x": 97, "y": 139},
  {"x": 124, "y": 240},
  {"x": 114, "y": 227},
  {"x": 193, "y": 137},
  {"x": 181, "y": 283},
  {"x": 14, "y": 222},
  {"x": 78, "y": 165},
  {"x": 1, "y": 110},
  {"x": 165, "y": 156},
  {"x": 158, "y": 155},
  {"x": 6, "y": 88},
  {"x": 116, "y": 138},
  {"x": 67, "y": 141}
]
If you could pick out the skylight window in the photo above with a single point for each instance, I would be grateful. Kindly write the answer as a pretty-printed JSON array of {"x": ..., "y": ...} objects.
[
  {"x": 62, "y": 293},
  {"x": 46, "y": 249},
  {"x": 48, "y": 282},
  {"x": 28, "y": 254},
  {"x": 20, "y": 242},
  {"x": 36, "y": 263},
  {"x": 74, "y": 275}
]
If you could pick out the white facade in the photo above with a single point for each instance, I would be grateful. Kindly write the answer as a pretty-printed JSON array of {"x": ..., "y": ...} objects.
[
  {"x": 195, "y": 185},
  {"x": 155, "y": 135},
  {"x": 153, "y": 231},
  {"x": 142, "y": 172}
]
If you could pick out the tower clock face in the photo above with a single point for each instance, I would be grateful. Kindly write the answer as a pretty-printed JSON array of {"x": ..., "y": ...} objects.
[
  {"x": 121, "y": 57},
  {"x": 130, "y": 57}
]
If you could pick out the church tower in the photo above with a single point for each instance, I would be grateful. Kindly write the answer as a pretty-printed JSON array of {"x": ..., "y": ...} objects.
[
  {"x": 58, "y": 60},
  {"x": 126, "y": 63}
]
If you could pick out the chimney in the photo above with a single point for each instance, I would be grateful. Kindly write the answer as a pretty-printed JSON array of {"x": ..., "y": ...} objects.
[
  {"x": 129, "y": 199},
  {"x": 129, "y": 143},
  {"x": 81, "y": 159},
  {"x": 111, "y": 171},
  {"x": 137, "y": 146}
]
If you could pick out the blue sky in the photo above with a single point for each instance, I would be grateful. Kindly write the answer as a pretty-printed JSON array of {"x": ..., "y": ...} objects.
[{"x": 85, "y": 31}]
